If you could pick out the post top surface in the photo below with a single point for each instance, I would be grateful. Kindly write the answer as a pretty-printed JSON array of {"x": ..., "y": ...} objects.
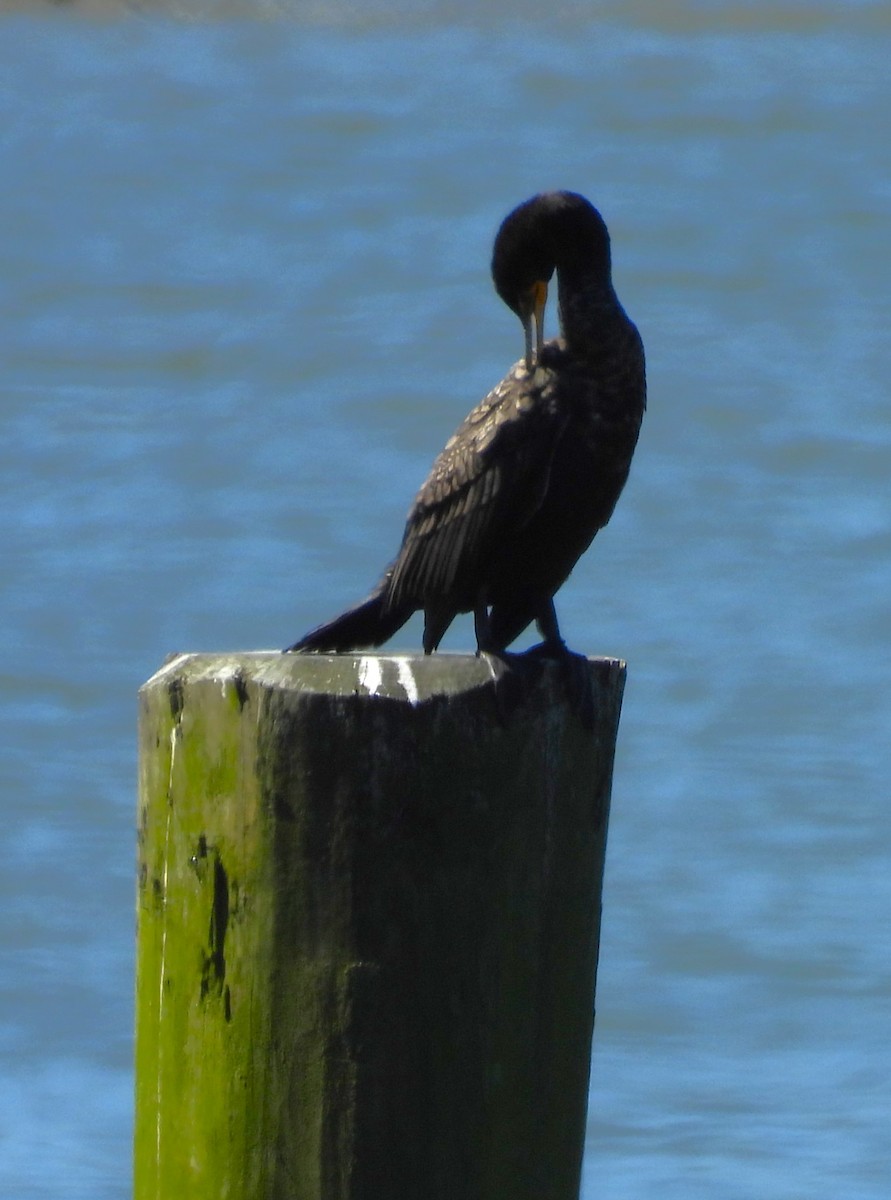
[{"x": 405, "y": 677}]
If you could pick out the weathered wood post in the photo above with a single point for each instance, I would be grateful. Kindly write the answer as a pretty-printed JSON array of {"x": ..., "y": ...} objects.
[{"x": 369, "y": 913}]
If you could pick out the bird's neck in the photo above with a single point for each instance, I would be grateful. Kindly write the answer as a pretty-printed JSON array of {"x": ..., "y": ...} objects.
[{"x": 589, "y": 307}]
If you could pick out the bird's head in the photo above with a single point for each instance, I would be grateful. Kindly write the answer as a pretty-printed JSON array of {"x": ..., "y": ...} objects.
[{"x": 554, "y": 231}]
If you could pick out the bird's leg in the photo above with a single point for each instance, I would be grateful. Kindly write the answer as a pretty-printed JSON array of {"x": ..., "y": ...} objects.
[
  {"x": 546, "y": 622},
  {"x": 552, "y": 644},
  {"x": 481, "y": 627}
]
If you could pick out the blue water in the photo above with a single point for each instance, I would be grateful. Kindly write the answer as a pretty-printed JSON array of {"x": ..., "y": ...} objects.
[{"x": 244, "y": 300}]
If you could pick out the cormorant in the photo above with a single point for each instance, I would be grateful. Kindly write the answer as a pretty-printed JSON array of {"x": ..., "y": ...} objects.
[{"x": 535, "y": 470}]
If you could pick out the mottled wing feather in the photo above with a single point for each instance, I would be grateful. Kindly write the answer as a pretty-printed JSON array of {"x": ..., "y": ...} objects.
[{"x": 490, "y": 477}]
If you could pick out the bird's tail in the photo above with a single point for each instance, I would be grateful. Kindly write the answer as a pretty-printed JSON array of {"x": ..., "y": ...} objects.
[{"x": 370, "y": 623}]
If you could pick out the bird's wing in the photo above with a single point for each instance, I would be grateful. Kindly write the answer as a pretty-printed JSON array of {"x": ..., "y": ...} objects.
[{"x": 491, "y": 477}]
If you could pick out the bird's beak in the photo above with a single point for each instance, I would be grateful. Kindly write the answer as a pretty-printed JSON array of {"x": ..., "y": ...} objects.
[{"x": 532, "y": 307}]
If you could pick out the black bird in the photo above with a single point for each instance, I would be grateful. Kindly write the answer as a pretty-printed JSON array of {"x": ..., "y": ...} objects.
[{"x": 535, "y": 470}]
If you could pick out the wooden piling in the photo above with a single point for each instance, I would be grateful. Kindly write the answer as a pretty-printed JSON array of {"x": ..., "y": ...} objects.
[{"x": 368, "y": 925}]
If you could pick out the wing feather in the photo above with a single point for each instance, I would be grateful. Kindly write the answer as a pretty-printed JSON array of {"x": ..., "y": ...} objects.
[{"x": 490, "y": 477}]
